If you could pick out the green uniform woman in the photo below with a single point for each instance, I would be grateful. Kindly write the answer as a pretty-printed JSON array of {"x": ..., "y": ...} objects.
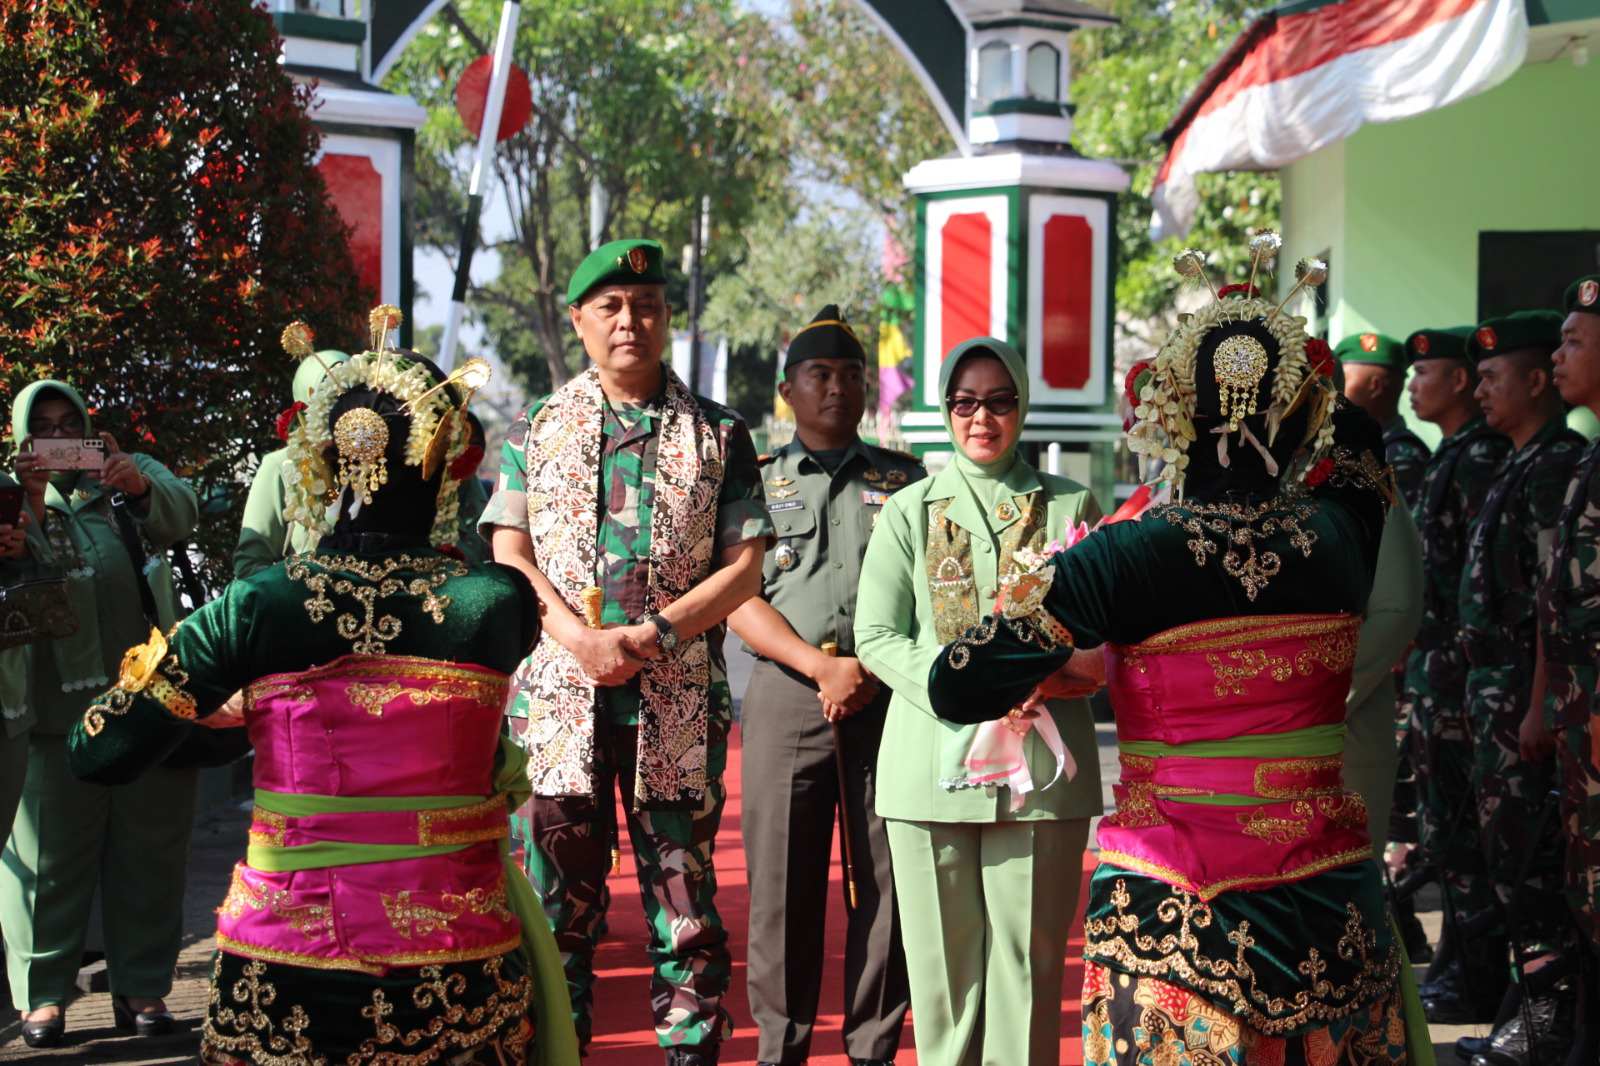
[
  {"x": 986, "y": 893},
  {"x": 67, "y": 834}
]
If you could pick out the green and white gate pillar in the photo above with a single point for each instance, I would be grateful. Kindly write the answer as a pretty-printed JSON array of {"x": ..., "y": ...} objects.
[{"x": 1016, "y": 239}]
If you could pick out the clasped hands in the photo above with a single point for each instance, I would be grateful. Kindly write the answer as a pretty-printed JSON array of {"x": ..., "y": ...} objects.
[
  {"x": 1082, "y": 675},
  {"x": 612, "y": 654}
]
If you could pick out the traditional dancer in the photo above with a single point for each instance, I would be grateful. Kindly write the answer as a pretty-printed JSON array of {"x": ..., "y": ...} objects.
[
  {"x": 1236, "y": 914},
  {"x": 376, "y": 917}
]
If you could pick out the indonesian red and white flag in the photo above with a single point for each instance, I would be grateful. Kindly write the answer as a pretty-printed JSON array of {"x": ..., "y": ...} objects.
[{"x": 1308, "y": 74}]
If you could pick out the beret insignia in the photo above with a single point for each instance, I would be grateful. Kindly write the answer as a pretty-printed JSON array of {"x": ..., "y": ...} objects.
[
  {"x": 1486, "y": 338},
  {"x": 1421, "y": 344},
  {"x": 1369, "y": 342},
  {"x": 637, "y": 261},
  {"x": 1589, "y": 292}
]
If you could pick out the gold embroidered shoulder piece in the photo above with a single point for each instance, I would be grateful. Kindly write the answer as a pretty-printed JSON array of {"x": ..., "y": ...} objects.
[
  {"x": 1240, "y": 526},
  {"x": 1365, "y": 473},
  {"x": 374, "y": 580}
]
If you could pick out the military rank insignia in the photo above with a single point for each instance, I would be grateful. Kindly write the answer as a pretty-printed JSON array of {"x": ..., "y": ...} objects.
[
  {"x": 1589, "y": 292},
  {"x": 782, "y": 494},
  {"x": 637, "y": 261}
]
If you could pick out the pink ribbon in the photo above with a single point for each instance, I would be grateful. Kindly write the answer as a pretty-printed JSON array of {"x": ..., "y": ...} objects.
[{"x": 998, "y": 755}]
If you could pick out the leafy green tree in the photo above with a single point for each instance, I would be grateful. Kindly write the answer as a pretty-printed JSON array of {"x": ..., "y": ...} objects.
[
  {"x": 655, "y": 103},
  {"x": 160, "y": 223},
  {"x": 1128, "y": 82}
]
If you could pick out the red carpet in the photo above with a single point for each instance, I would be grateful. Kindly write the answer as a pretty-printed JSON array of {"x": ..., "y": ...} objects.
[{"x": 623, "y": 1033}]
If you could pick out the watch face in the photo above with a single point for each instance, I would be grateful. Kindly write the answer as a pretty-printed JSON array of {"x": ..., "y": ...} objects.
[{"x": 668, "y": 641}]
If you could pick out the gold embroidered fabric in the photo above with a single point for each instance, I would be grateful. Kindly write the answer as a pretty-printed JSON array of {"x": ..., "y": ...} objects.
[
  {"x": 311, "y": 920},
  {"x": 1212, "y": 889},
  {"x": 166, "y": 683},
  {"x": 374, "y": 697},
  {"x": 1222, "y": 633},
  {"x": 489, "y": 685},
  {"x": 408, "y": 917},
  {"x": 369, "y": 964},
  {"x": 373, "y": 581},
  {"x": 952, "y": 584},
  {"x": 1241, "y": 528},
  {"x": 1175, "y": 954}
]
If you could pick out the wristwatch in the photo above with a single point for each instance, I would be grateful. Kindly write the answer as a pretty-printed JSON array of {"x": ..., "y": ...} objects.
[{"x": 666, "y": 636}]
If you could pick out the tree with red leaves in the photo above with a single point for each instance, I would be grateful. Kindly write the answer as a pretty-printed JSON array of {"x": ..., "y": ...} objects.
[{"x": 160, "y": 223}]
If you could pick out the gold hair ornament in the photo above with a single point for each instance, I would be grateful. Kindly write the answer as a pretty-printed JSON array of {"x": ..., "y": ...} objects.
[{"x": 362, "y": 436}]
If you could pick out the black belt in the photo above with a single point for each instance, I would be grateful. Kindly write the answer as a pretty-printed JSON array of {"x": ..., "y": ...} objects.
[
  {"x": 1572, "y": 649},
  {"x": 1493, "y": 650}
]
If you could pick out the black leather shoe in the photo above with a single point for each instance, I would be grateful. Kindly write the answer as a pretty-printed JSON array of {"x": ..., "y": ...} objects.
[
  {"x": 871, "y": 1062},
  {"x": 143, "y": 1022},
  {"x": 1468, "y": 1046},
  {"x": 704, "y": 1055},
  {"x": 45, "y": 1034},
  {"x": 1553, "y": 1031}
]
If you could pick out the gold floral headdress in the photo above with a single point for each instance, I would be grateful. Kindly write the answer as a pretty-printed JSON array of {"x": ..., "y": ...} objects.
[
  {"x": 438, "y": 434},
  {"x": 1163, "y": 391}
]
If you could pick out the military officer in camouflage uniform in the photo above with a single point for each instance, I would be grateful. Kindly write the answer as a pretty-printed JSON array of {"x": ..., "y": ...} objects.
[
  {"x": 635, "y": 509},
  {"x": 1458, "y": 477},
  {"x": 813, "y": 711},
  {"x": 1374, "y": 376},
  {"x": 1569, "y": 639},
  {"x": 1505, "y": 555}
]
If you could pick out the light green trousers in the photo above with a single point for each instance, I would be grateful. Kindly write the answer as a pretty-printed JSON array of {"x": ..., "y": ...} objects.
[
  {"x": 68, "y": 836},
  {"x": 13, "y": 769},
  {"x": 985, "y": 913}
]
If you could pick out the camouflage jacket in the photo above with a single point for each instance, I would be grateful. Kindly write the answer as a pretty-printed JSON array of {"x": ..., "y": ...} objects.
[
  {"x": 1507, "y": 545},
  {"x": 1409, "y": 457},
  {"x": 1453, "y": 489},
  {"x": 1569, "y": 600}
]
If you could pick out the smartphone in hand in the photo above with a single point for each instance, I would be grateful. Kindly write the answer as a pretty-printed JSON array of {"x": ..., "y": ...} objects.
[
  {"x": 70, "y": 453},
  {"x": 11, "y": 505}
]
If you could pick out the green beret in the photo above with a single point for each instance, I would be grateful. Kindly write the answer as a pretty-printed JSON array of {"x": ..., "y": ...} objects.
[
  {"x": 632, "y": 262},
  {"x": 828, "y": 336},
  {"x": 1584, "y": 295},
  {"x": 1371, "y": 349},
  {"x": 1514, "y": 332},
  {"x": 1438, "y": 343}
]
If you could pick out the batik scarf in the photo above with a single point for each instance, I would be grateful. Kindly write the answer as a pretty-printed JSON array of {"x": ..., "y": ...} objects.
[{"x": 563, "y": 453}]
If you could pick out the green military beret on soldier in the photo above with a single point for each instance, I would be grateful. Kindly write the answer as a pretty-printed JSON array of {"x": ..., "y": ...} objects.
[
  {"x": 1438, "y": 343},
  {"x": 1371, "y": 349},
  {"x": 827, "y": 336},
  {"x": 1584, "y": 295},
  {"x": 629, "y": 262},
  {"x": 1513, "y": 333}
]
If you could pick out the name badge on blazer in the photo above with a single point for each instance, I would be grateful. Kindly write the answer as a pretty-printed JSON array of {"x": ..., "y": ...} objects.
[{"x": 786, "y": 505}]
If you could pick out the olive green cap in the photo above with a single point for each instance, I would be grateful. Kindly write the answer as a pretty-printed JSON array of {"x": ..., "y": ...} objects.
[
  {"x": 1449, "y": 343},
  {"x": 1514, "y": 332},
  {"x": 630, "y": 262},
  {"x": 1371, "y": 349},
  {"x": 1584, "y": 295},
  {"x": 828, "y": 336}
]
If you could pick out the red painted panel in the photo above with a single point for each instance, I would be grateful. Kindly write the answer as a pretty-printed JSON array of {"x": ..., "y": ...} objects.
[
  {"x": 1066, "y": 315},
  {"x": 357, "y": 191},
  {"x": 964, "y": 296}
]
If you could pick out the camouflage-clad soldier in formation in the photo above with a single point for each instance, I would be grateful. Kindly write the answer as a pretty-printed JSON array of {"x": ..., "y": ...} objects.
[
  {"x": 1453, "y": 489},
  {"x": 1505, "y": 554},
  {"x": 1569, "y": 644},
  {"x": 1374, "y": 376}
]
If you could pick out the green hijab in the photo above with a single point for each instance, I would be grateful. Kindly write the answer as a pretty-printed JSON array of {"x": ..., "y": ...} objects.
[
  {"x": 310, "y": 373},
  {"x": 992, "y": 479}
]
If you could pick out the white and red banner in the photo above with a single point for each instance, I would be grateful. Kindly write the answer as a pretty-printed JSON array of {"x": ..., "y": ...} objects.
[{"x": 1297, "y": 81}]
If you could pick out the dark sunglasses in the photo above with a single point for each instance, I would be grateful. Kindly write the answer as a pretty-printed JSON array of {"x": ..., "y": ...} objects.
[{"x": 967, "y": 406}]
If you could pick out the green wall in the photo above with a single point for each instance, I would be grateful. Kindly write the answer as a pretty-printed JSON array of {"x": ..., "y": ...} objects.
[{"x": 1399, "y": 206}]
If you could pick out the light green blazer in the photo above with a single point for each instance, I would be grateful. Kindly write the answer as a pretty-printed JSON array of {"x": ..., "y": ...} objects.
[{"x": 895, "y": 639}]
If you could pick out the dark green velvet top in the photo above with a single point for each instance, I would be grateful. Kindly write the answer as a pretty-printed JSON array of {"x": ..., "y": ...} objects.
[
  {"x": 1209, "y": 557},
  {"x": 305, "y": 611}
]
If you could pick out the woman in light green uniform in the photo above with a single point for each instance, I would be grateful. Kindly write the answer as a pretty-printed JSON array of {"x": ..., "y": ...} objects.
[
  {"x": 68, "y": 835},
  {"x": 16, "y": 716},
  {"x": 986, "y": 894}
]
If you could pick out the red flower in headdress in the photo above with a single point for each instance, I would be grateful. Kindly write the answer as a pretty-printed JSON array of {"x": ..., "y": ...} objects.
[
  {"x": 1229, "y": 290},
  {"x": 1320, "y": 356},
  {"x": 1130, "y": 384},
  {"x": 466, "y": 463},
  {"x": 286, "y": 419},
  {"x": 1319, "y": 473}
]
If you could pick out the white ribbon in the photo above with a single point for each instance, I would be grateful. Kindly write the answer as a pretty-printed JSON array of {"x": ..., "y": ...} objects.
[{"x": 998, "y": 756}]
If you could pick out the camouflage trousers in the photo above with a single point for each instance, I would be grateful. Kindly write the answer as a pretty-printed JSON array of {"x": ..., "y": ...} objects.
[
  {"x": 1580, "y": 818},
  {"x": 1447, "y": 832},
  {"x": 565, "y": 846},
  {"x": 1511, "y": 801}
]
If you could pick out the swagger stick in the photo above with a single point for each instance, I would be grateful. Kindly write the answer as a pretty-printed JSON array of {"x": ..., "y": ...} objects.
[
  {"x": 830, "y": 649},
  {"x": 592, "y": 600}
]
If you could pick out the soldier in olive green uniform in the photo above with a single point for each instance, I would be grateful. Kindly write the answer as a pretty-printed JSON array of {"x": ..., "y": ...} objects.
[
  {"x": 1458, "y": 477},
  {"x": 1505, "y": 553},
  {"x": 1374, "y": 376},
  {"x": 1569, "y": 641},
  {"x": 808, "y": 694}
]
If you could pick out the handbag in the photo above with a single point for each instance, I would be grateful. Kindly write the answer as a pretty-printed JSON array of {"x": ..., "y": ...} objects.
[{"x": 35, "y": 610}]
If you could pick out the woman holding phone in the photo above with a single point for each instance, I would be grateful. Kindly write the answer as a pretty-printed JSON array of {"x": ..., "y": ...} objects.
[{"x": 67, "y": 834}]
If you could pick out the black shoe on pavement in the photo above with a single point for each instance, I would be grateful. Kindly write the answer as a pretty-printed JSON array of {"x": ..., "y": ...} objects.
[
  {"x": 48, "y": 1033},
  {"x": 1552, "y": 1017},
  {"x": 702, "y": 1055},
  {"x": 871, "y": 1062}
]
